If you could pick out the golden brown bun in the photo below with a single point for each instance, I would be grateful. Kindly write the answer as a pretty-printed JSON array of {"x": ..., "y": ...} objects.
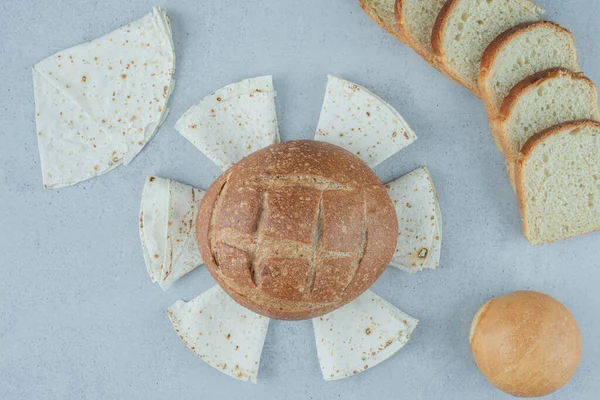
[
  {"x": 297, "y": 229},
  {"x": 526, "y": 343}
]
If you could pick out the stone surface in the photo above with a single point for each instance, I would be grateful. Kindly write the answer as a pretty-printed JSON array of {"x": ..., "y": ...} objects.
[{"x": 79, "y": 318}]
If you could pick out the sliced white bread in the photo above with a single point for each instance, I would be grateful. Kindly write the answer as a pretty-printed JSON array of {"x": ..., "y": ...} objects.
[
  {"x": 558, "y": 182},
  {"x": 414, "y": 20},
  {"x": 382, "y": 12},
  {"x": 539, "y": 102},
  {"x": 464, "y": 29},
  {"x": 520, "y": 52}
]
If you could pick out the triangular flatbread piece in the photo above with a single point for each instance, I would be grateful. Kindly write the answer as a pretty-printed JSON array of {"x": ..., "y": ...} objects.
[
  {"x": 233, "y": 122},
  {"x": 153, "y": 224},
  {"x": 361, "y": 122},
  {"x": 360, "y": 335},
  {"x": 168, "y": 229},
  {"x": 419, "y": 221},
  {"x": 99, "y": 103},
  {"x": 224, "y": 334}
]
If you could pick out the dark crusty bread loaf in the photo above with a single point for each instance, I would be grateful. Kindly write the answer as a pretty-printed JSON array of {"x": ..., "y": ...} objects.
[{"x": 297, "y": 229}]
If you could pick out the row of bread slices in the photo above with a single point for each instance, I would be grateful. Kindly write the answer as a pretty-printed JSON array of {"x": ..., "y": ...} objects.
[
  {"x": 541, "y": 109},
  {"x": 232, "y": 123}
]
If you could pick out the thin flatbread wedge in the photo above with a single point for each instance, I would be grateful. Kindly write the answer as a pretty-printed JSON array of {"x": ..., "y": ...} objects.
[
  {"x": 99, "y": 103},
  {"x": 182, "y": 254},
  {"x": 233, "y": 122},
  {"x": 153, "y": 224},
  {"x": 168, "y": 229},
  {"x": 360, "y": 335},
  {"x": 260, "y": 84},
  {"x": 70, "y": 153},
  {"x": 435, "y": 252},
  {"x": 222, "y": 333},
  {"x": 361, "y": 122},
  {"x": 419, "y": 222}
]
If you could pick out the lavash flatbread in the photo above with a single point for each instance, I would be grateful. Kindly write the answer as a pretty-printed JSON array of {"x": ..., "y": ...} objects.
[
  {"x": 360, "y": 335},
  {"x": 168, "y": 229},
  {"x": 224, "y": 334},
  {"x": 98, "y": 104},
  {"x": 153, "y": 224},
  {"x": 419, "y": 221},
  {"x": 233, "y": 122},
  {"x": 358, "y": 120}
]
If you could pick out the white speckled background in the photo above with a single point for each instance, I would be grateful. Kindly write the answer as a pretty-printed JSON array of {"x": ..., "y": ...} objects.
[{"x": 79, "y": 318}]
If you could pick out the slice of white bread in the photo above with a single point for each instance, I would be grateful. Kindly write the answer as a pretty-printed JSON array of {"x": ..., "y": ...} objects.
[
  {"x": 558, "y": 182},
  {"x": 383, "y": 13},
  {"x": 415, "y": 19},
  {"x": 539, "y": 102},
  {"x": 520, "y": 52},
  {"x": 465, "y": 28}
]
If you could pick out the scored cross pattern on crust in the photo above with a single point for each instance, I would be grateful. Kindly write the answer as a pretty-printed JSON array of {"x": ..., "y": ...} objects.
[{"x": 261, "y": 245}]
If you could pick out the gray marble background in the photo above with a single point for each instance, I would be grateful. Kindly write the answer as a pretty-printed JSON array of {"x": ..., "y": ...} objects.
[{"x": 79, "y": 318}]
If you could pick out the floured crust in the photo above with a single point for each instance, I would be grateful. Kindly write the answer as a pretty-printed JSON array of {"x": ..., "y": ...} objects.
[
  {"x": 527, "y": 151},
  {"x": 297, "y": 229}
]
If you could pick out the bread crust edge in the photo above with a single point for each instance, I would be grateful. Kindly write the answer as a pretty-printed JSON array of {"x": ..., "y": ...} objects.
[
  {"x": 493, "y": 49},
  {"x": 526, "y": 152},
  {"x": 438, "y": 51},
  {"x": 519, "y": 90},
  {"x": 366, "y": 7}
]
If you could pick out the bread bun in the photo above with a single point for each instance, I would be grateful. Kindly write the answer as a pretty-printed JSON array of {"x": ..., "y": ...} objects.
[
  {"x": 526, "y": 344},
  {"x": 297, "y": 229}
]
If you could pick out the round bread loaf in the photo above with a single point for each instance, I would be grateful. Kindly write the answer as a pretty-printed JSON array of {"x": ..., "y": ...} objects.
[
  {"x": 297, "y": 229},
  {"x": 527, "y": 344}
]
